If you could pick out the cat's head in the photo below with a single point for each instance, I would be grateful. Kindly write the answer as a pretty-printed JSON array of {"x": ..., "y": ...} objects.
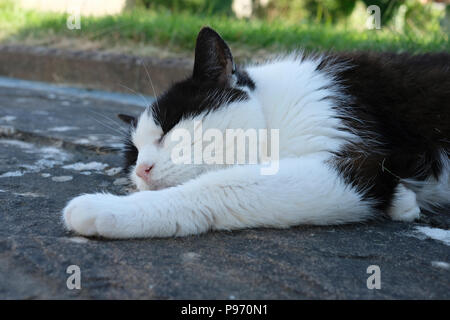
[{"x": 216, "y": 96}]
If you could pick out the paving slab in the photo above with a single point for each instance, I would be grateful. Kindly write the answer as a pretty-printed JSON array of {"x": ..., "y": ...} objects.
[{"x": 43, "y": 134}]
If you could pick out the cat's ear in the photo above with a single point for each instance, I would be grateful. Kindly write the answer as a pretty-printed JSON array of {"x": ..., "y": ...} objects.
[
  {"x": 213, "y": 59},
  {"x": 132, "y": 121}
]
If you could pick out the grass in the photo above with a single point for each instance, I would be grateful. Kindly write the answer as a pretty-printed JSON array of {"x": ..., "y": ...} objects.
[{"x": 177, "y": 32}]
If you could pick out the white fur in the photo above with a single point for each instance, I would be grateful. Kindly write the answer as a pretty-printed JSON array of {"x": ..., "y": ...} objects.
[
  {"x": 190, "y": 199},
  {"x": 293, "y": 102},
  {"x": 305, "y": 191},
  {"x": 404, "y": 207},
  {"x": 167, "y": 173}
]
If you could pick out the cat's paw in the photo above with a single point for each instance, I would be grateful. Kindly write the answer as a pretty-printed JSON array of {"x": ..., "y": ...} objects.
[
  {"x": 404, "y": 206},
  {"x": 408, "y": 215},
  {"x": 94, "y": 215}
]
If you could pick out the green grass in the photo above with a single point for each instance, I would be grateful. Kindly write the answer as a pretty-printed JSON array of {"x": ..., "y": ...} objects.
[{"x": 177, "y": 31}]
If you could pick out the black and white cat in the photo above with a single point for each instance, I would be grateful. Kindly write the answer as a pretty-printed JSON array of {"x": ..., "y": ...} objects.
[{"x": 359, "y": 135}]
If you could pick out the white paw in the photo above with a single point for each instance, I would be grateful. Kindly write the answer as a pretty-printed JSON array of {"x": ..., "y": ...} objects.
[
  {"x": 95, "y": 215},
  {"x": 408, "y": 215},
  {"x": 404, "y": 206}
]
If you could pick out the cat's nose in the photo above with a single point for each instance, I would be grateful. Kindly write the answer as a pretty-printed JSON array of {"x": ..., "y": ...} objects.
[{"x": 143, "y": 171}]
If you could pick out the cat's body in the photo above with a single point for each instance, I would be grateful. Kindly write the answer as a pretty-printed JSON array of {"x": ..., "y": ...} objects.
[{"x": 360, "y": 136}]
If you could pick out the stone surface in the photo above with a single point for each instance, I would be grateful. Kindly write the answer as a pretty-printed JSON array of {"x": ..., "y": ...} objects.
[{"x": 300, "y": 263}]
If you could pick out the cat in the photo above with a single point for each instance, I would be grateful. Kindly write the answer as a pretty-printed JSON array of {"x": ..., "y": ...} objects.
[{"x": 360, "y": 135}]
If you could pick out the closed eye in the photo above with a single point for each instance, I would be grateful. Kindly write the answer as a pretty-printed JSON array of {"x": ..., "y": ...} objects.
[{"x": 159, "y": 140}]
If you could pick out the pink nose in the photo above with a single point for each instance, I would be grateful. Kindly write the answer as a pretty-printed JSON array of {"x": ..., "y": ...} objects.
[{"x": 143, "y": 171}]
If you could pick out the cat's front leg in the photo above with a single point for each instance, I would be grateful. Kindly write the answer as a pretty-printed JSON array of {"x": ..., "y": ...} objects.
[
  {"x": 94, "y": 214},
  {"x": 113, "y": 216},
  {"x": 304, "y": 191},
  {"x": 162, "y": 213}
]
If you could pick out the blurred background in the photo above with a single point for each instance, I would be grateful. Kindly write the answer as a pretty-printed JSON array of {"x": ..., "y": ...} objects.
[{"x": 254, "y": 28}]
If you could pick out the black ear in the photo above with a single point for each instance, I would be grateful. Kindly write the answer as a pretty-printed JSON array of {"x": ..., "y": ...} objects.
[
  {"x": 128, "y": 119},
  {"x": 213, "y": 59}
]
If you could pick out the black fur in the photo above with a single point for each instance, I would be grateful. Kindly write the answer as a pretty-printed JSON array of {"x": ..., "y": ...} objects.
[
  {"x": 402, "y": 106},
  {"x": 130, "y": 152},
  {"x": 209, "y": 87},
  {"x": 190, "y": 98},
  {"x": 132, "y": 121},
  {"x": 243, "y": 80}
]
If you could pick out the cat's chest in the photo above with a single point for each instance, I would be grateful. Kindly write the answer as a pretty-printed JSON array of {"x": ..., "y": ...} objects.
[
  {"x": 305, "y": 126},
  {"x": 296, "y": 99}
]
